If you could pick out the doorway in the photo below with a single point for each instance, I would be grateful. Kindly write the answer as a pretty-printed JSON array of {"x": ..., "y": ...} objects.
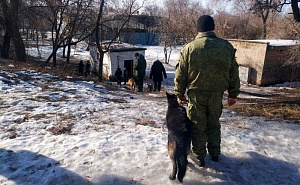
[
  {"x": 128, "y": 64},
  {"x": 252, "y": 76}
]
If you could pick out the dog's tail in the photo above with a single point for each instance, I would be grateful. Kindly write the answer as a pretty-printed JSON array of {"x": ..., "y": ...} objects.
[{"x": 182, "y": 162}]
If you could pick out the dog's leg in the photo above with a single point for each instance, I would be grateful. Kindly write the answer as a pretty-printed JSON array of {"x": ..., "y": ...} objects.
[
  {"x": 182, "y": 163},
  {"x": 188, "y": 148},
  {"x": 174, "y": 170},
  {"x": 172, "y": 154},
  {"x": 182, "y": 153}
]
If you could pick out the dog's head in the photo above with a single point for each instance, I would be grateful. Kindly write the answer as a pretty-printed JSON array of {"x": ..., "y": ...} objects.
[
  {"x": 172, "y": 99},
  {"x": 130, "y": 81},
  {"x": 177, "y": 112},
  {"x": 150, "y": 87}
]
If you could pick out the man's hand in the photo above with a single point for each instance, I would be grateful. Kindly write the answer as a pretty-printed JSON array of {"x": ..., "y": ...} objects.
[{"x": 231, "y": 101}]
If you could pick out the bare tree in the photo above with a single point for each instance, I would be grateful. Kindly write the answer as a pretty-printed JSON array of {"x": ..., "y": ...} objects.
[
  {"x": 98, "y": 39},
  {"x": 245, "y": 28},
  {"x": 32, "y": 24},
  {"x": 10, "y": 19},
  {"x": 79, "y": 24},
  {"x": 296, "y": 9},
  {"x": 130, "y": 8},
  {"x": 294, "y": 5},
  {"x": 262, "y": 8},
  {"x": 179, "y": 25},
  {"x": 273, "y": 5},
  {"x": 291, "y": 29},
  {"x": 68, "y": 20},
  {"x": 167, "y": 34},
  {"x": 152, "y": 10}
]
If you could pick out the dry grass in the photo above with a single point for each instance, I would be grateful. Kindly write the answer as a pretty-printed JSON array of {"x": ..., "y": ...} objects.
[
  {"x": 62, "y": 125},
  {"x": 276, "y": 106},
  {"x": 279, "y": 107},
  {"x": 145, "y": 122},
  {"x": 61, "y": 70}
]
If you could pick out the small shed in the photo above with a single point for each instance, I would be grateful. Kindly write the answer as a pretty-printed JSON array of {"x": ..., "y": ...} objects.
[
  {"x": 119, "y": 55},
  {"x": 266, "y": 62}
]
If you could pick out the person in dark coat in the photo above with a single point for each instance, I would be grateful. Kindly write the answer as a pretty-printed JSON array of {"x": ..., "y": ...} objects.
[
  {"x": 80, "y": 68},
  {"x": 125, "y": 74},
  {"x": 118, "y": 75},
  {"x": 156, "y": 74},
  {"x": 140, "y": 68},
  {"x": 87, "y": 68}
]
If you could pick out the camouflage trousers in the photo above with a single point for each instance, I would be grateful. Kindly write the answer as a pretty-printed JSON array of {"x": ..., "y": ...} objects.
[
  {"x": 204, "y": 110},
  {"x": 140, "y": 82}
]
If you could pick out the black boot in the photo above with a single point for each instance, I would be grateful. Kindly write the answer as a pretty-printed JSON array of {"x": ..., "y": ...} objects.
[
  {"x": 215, "y": 158},
  {"x": 198, "y": 162}
]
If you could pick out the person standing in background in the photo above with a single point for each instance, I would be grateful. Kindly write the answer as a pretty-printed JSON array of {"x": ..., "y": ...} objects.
[
  {"x": 125, "y": 75},
  {"x": 156, "y": 74},
  {"x": 140, "y": 68},
  {"x": 118, "y": 75},
  {"x": 87, "y": 68},
  {"x": 80, "y": 68}
]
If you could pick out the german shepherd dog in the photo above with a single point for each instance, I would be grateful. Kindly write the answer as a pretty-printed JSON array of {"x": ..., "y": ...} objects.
[
  {"x": 132, "y": 83},
  {"x": 179, "y": 139}
]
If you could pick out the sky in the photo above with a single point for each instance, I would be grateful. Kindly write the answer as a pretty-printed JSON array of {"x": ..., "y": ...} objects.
[
  {"x": 161, "y": 2},
  {"x": 207, "y": 4},
  {"x": 112, "y": 136}
]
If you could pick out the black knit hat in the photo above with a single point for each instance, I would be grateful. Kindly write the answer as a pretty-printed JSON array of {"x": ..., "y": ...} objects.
[{"x": 205, "y": 23}]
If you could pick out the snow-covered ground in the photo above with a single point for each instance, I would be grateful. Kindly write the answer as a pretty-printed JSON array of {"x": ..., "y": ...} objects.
[{"x": 119, "y": 137}]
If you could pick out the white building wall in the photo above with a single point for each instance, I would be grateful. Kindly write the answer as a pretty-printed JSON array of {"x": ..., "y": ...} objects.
[{"x": 112, "y": 60}]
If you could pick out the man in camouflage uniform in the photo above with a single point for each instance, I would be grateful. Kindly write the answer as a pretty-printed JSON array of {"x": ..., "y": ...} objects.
[
  {"x": 140, "y": 68},
  {"x": 206, "y": 68}
]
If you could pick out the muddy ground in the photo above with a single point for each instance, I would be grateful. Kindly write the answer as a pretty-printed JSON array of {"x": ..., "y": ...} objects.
[{"x": 268, "y": 102}]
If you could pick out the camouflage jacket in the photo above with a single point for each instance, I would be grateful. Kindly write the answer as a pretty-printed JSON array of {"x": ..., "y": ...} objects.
[
  {"x": 141, "y": 65},
  {"x": 207, "y": 64}
]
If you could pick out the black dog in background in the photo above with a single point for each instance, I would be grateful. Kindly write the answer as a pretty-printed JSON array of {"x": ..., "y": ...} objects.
[{"x": 179, "y": 139}]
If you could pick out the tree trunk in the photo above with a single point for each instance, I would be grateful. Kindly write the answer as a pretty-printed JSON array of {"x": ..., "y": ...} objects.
[
  {"x": 165, "y": 52},
  {"x": 97, "y": 34},
  {"x": 169, "y": 55},
  {"x": 68, "y": 53},
  {"x": 6, "y": 46},
  {"x": 19, "y": 45},
  {"x": 52, "y": 56},
  {"x": 64, "y": 52},
  {"x": 48, "y": 59},
  {"x": 101, "y": 57},
  {"x": 37, "y": 44},
  {"x": 54, "y": 51},
  {"x": 264, "y": 28},
  {"x": 296, "y": 10},
  {"x": 12, "y": 25}
]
